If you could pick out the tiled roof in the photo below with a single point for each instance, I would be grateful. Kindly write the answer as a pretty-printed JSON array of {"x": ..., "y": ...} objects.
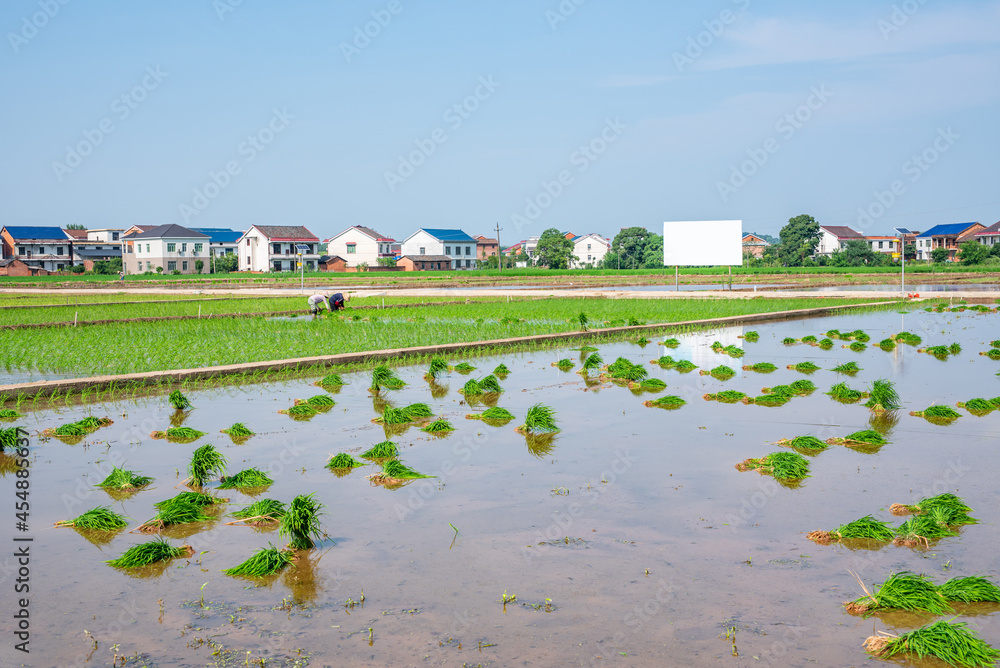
[
  {"x": 170, "y": 231},
  {"x": 948, "y": 229},
  {"x": 842, "y": 232},
  {"x": 130, "y": 233},
  {"x": 486, "y": 240},
  {"x": 290, "y": 232},
  {"x": 26, "y": 233},
  {"x": 219, "y": 235},
  {"x": 449, "y": 235},
  {"x": 992, "y": 229},
  {"x": 329, "y": 258},
  {"x": 76, "y": 234}
]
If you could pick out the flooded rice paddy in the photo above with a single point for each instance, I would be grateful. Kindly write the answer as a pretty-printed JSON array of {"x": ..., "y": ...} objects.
[{"x": 628, "y": 539}]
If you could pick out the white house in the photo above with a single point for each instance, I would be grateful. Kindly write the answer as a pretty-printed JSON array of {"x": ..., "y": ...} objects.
[
  {"x": 990, "y": 236},
  {"x": 222, "y": 240},
  {"x": 172, "y": 247},
  {"x": 359, "y": 245},
  {"x": 455, "y": 244},
  {"x": 834, "y": 237},
  {"x": 883, "y": 244},
  {"x": 590, "y": 249},
  {"x": 47, "y": 248},
  {"x": 275, "y": 248}
]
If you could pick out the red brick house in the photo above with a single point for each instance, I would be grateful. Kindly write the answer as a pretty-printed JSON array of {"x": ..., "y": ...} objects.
[
  {"x": 424, "y": 262},
  {"x": 486, "y": 247}
]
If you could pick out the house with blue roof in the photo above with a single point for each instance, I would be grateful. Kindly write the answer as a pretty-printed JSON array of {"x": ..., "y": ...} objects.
[
  {"x": 222, "y": 240},
  {"x": 949, "y": 235},
  {"x": 456, "y": 245},
  {"x": 40, "y": 247}
]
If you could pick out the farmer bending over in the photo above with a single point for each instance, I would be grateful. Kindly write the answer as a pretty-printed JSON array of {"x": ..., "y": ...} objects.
[
  {"x": 337, "y": 302},
  {"x": 316, "y": 302}
]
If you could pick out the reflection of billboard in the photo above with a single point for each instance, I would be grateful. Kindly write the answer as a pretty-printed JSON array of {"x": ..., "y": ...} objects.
[{"x": 703, "y": 243}]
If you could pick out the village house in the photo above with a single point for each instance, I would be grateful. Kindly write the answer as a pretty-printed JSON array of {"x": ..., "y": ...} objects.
[
  {"x": 99, "y": 244},
  {"x": 589, "y": 249},
  {"x": 989, "y": 236},
  {"x": 834, "y": 238},
  {"x": 486, "y": 247},
  {"x": 276, "y": 248},
  {"x": 949, "y": 235},
  {"x": 883, "y": 244},
  {"x": 360, "y": 245},
  {"x": 424, "y": 262},
  {"x": 754, "y": 246},
  {"x": 170, "y": 247},
  {"x": 456, "y": 245},
  {"x": 332, "y": 263},
  {"x": 47, "y": 248},
  {"x": 222, "y": 240}
]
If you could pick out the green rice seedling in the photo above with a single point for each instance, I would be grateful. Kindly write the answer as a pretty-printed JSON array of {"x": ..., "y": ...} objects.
[
  {"x": 384, "y": 378},
  {"x": 300, "y": 523},
  {"x": 501, "y": 371},
  {"x": 176, "y": 511},
  {"x": 90, "y": 422},
  {"x": 937, "y": 351},
  {"x": 490, "y": 384},
  {"x": 804, "y": 367},
  {"x": 592, "y": 363},
  {"x": 887, "y": 344},
  {"x": 858, "y": 347},
  {"x": 809, "y": 339},
  {"x": 584, "y": 350},
  {"x": 120, "y": 479},
  {"x": 239, "y": 431},
  {"x": 540, "y": 419},
  {"x": 301, "y": 410},
  {"x": 938, "y": 413},
  {"x": 464, "y": 367},
  {"x": 859, "y": 336},
  {"x": 789, "y": 341},
  {"x": 993, "y": 354},
  {"x": 495, "y": 415},
  {"x": 438, "y": 366},
  {"x": 417, "y": 411},
  {"x": 751, "y": 336},
  {"x": 383, "y": 450},
  {"x": 265, "y": 511},
  {"x": 804, "y": 443},
  {"x": 844, "y": 394},
  {"x": 733, "y": 351},
  {"x": 150, "y": 553},
  {"x": 101, "y": 518},
  {"x": 674, "y": 343},
  {"x": 977, "y": 406},
  {"x": 71, "y": 429},
  {"x": 769, "y": 400},
  {"x": 9, "y": 437},
  {"x": 264, "y": 562},
  {"x": 343, "y": 460},
  {"x": 179, "y": 434},
  {"x": 921, "y": 529},
  {"x": 471, "y": 388},
  {"x": 901, "y": 591},
  {"x": 9, "y": 414},
  {"x": 206, "y": 462},
  {"x": 321, "y": 401},
  {"x": 996, "y": 343},
  {"x": 882, "y": 395},
  {"x": 908, "y": 338},
  {"x": 179, "y": 401},
  {"x": 834, "y": 334},
  {"x": 863, "y": 437},
  {"x": 194, "y": 498},
  {"x": 395, "y": 472},
  {"x": 642, "y": 341},
  {"x": 623, "y": 369},
  {"x": 565, "y": 364},
  {"x": 246, "y": 479},
  {"x": 781, "y": 465},
  {"x": 779, "y": 391},
  {"x": 850, "y": 368},
  {"x": 802, "y": 387},
  {"x": 825, "y": 344},
  {"x": 971, "y": 589},
  {"x": 649, "y": 385},
  {"x": 669, "y": 402},
  {"x": 332, "y": 380},
  {"x": 685, "y": 366},
  {"x": 438, "y": 427},
  {"x": 761, "y": 367},
  {"x": 954, "y": 349},
  {"x": 954, "y": 508},
  {"x": 717, "y": 346},
  {"x": 866, "y": 528},
  {"x": 726, "y": 397},
  {"x": 721, "y": 372}
]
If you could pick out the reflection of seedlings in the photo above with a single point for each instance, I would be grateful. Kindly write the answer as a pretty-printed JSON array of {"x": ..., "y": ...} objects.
[
  {"x": 395, "y": 472},
  {"x": 863, "y": 437},
  {"x": 972, "y": 589},
  {"x": 953, "y": 643},
  {"x": 438, "y": 366},
  {"x": 669, "y": 402},
  {"x": 673, "y": 343},
  {"x": 464, "y": 367},
  {"x": 331, "y": 382},
  {"x": 900, "y": 591},
  {"x": 149, "y": 553},
  {"x": 343, "y": 461},
  {"x": 178, "y": 434},
  {"x": 384, "y": 378},
  {"x": 751, "y": 336},
  {"x": 564, "y": 364},
  {"x": 721, "y": 372},
  {"x": 760, "y": 367},
  {"x": 804, "y": 367},
  {"x": 173, "y": 512},
  {"x": 979, "y": 406},
  {"x": 261, "y": 513},
  {"x": 938, "y": 414},
  {"x": 782, "y": 465},
  {"x": 882, "y": 396},
  {"x": 540, "y": 445},
  {"x": 265, "y": 561},
  {"x": 179, "y": 401},
  {"x": 246, "y": 479},
  {"x": 120, "y": 479},
  {"x": 805, "y": 443},
  {"x": 867, "y": 528},
  {"x": 540, "y": 419},
  {"x": 101, "y": 518},
  {"x": 383, "y": 450},
  {"x": 206, "y": 461},
  {"x": 845, "y": 395},
  {"x": 850, "y": 368},
  {"x": 726, "y": 397},
  {"x": 300, "y": 522},
  {"x": 649, "y": 385},
  {"x": 439, "y": 427}
]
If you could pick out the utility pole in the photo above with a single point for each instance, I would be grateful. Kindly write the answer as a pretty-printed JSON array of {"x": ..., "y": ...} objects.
[{"x": 499, "y": 252}]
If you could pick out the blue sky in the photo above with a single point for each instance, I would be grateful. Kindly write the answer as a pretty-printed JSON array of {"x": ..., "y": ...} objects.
[{"x": 583, "y": 115}]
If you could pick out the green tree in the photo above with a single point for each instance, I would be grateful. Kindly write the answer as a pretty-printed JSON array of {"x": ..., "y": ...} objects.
[
  {"x": 108, "y": 267},
  {"x": 629, "y": 246},
  {"x": 653, "y": 253},
  {"x": 223, "y": 264},
  {"x": 75, "y": 226},
  {"x": 995, "y": 250},
  {"x": 387, "y": 262},
  {"x": 554, "y": 250},
  {"x": 973, "y": 252},
  {"x": 940, "y": 255},
  {"x": 855, "y": 253},
  {"x": 799, "y": 239},
  {"x": 911, "y": 251},
  {"x": 198, "y": 266}
]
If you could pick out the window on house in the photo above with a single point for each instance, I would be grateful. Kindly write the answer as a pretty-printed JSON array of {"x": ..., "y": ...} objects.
[
  {"x": 41, "y": 250},
  {"x": 147, "y": 248},
  {"x": 20, "y": 250},
  {"x": 468, "y": 250},
  {"x": 447, "y": 250},
  {"x": 171, "y": 247},
  {"x": 423, "y": 251},
  {"x": 171, "y": 265},
  {"x": 114, "y": 236},
  {"x": 248, "y": 243},
  {"x": 184, "y": 265},
  {"x": 277, "y": 265},
  {"x": 198, "y": 247},
  {"x": 352, "y": 248},
  {"x": 468, "y": 263},
  {"x": 59, "y": 250},
  {"x": 248, "y": 261},
  {"x": 277, "y": 250},
  {"x": 588, "y": 246},
  {"x": 880, "y": 244},
  {"x": 184, "y": 247}
]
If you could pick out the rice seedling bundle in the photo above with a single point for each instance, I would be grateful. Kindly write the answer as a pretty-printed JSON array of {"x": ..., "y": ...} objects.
[
  {"x": 539, "y": 419},
  {"x": 239, "y": 430},
  {"x": 938, "y": 413},
  {"x": 857, "y": 347},
  {"x": 642, "y": 341},
  {"x": 937, "y": 351},
  {"x": 685, "y": 365},
  {"x": 502, "y": 371},
  {"x": 265, "y": 511},
  {"x": 246, "y": 479},
  {"x": 124, "y": 480},
  {"x": 397, "y": 470},
  {"x": 789, "y": 341},
  {"x": 438, "y": 366},
  {"x": 71, "y": 429},
  {"x": 825, "y": 344},
  {"x": 761, "y": 367},
  {"x": 385, "y": 378},
  {"x": 649, "y": 384},
  {"x": 492, "y": 415},
  {"x": 300, "y": 410},
  {"x": 779, "y": 391},
  {"x": 565, "y": 364},
  {"x": 953, "y": 643},
  {"x": 977, "y": 406},
  {"x": 863, "y": 437},
  {"x": 858, "y": 335},
  {"x": 8, "y": 438},
  {"x": 464, "y": 367},
  {"x": 583, "y": 349},
  {"x": 769, "y": 400},
  {"x": 438, "y": 427},
  {"x": 90, "y": 422},
  {"x": 669, "y": 402},
  {"x": 472, "y": 388},
  {"x": 867, "y": 528},
  {"x": 887, "y": 344},
  {"x": 490, "y": 384},
  {"x": 921, "y": 529},
  {"x": 717, "y": 346},
  {"x": 383, "y": 450},
  {"x": 623, "y": 369},
  {"x": 330, "y": 380},
  {"x": 100, "y": 518},
  {"x": 179, "y": 434},
  {"x": 809, "y": 339},
  {"x": 996, "y": 343},
  {"x": 781, "y": 465},
  {"x": 908, "y": 338},
  {"x": 300, "y": 523},
  {"x": 9, "y": 414},
  {"x": 726, "y": 397},
  {"x": 150, "y": 553},
  {"x": 175, "y": 511},
  {"x": 901, "y": 591},
  {"x": 808, "y": 443},
  {"x": 882, "y": 395},
  {"x": 674, "y": 343},
  {"x": 834, "y": 333},
  {"x": 993, "y": 354},
  {"x": 179, "y": 401},
  {"x": 265, "y": 561},
  {"x": 733, "y": 351},
  {"x": 343, "y": 460},
  {"x": 206, "y": 461},
  {"x": 804, "y": 367},
  {"x": 950, "y": 509},
  {"x": 849, "y": 368},
  {"x": 594, "y": 362},
  {"x": 844, "y": 394},
  {"x": 751, "y": 336},
  {"x": 721, "y": 372},
  {"x": 971, "y": 589},
  {"x": 320, "y": 401},
  {"x": 954, "y": 349},
  {"x": 194, "y": 498}
]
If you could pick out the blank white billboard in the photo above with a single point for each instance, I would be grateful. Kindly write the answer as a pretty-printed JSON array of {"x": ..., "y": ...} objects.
[{"x": 703, "y": 243}]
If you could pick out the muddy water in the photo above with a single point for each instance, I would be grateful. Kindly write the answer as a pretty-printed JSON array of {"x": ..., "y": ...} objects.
[{"x": 633, "y": 523}]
